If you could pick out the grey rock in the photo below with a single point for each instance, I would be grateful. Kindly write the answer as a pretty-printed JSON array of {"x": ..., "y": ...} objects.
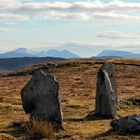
[
  {"x": 127, "y": 125},
  {"x": 40, "y": 98},
  {"x": 106, "y": 91},
  {"x": 51, "y": 65}
]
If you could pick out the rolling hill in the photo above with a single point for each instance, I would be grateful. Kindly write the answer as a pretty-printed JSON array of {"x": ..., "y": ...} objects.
[{"x": 18, "y": 63}]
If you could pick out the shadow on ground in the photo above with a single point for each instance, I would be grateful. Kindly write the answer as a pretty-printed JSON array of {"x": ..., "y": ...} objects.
[
  {"x": 91, "y": 116},
  {"x": 111, "y": 134},
  {"x": 102, "y": 135},
  {"x": 15, "y": 129}
]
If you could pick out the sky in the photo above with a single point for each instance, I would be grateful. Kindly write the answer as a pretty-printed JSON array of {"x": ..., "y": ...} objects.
[{"x": 63, "y": 24}]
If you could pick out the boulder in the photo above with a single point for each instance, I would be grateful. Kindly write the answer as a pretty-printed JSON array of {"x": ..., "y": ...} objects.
[
  {"x": 40, "y": 98},
  {"x": 127, "y": 125},
  {"x": 106, "y": 91}
]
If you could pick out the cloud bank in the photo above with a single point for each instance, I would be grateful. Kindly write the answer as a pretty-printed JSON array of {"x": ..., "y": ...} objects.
[
  {"x": 71, "y": 11},
  {"x": 118, "y": 35}
]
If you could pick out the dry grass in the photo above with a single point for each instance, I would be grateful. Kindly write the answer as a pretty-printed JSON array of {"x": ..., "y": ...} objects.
[
  {"x": 5, "y": 136},
  {"x": 78, "y": 89},
  {"x": 40, "y": 129}
]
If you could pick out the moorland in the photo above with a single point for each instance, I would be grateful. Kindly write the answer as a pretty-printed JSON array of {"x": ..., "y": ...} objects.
[{"x": 77, "y": 80}]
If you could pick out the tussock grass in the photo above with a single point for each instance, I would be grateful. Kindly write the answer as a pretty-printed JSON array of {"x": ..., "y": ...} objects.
[{"x": 40, "y": 129}]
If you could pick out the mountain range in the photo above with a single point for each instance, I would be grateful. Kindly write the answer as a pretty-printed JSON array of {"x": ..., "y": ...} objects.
[
  {"x": 23, "y": 52},
  {"x": 21, "y": 57},
  {"x": 66, "y": 54},
  {"x": 55, "y": 53},
  {"x": 117, "y": 54}
]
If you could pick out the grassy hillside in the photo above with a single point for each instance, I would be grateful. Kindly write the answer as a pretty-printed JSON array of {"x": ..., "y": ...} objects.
[
  {"x": 77, "y": 81},
  {"x": 18, "y": 63}
]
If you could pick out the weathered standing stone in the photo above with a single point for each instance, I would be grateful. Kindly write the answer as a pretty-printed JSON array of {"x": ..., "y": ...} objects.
[
  {"x": 128, "y": 124},
  {"x": 106, "y": 91},
  {"x": 40, "y": 98}
]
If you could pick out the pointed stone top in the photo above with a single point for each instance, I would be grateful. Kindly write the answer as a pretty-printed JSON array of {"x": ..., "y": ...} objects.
[
  {"x": 42, "y": 73},
  {"x": 40, "y": 83},
  {"x": 108, "y": 67}
]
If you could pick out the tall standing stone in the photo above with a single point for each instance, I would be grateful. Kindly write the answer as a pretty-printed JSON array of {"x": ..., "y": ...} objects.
[
  {"x": 106, "y": 91},
  {"x": 40, "y": 98}
]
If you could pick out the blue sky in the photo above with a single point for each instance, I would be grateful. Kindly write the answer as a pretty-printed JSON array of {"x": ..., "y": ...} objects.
[{"x": 56, "y": 24}]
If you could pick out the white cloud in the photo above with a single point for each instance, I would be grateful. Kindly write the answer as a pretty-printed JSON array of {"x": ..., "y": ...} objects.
[
  {"x": 111, "y": 15},
  {"x": 119, "y": 35},
  {"x": 81, "y": 6},
  {"x": 67, "y": 16},
  {"x": 119, "y": 5},
  {"x": 76, "y": 10},
  {"x": 12, "y": 17},
  {"x": 46, "y": 6},
  {"x": 9, "y": 4},
  {"x": 122, "y": 40}
]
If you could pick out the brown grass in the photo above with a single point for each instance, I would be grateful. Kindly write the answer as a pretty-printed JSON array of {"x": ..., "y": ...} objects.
[
  {"x": 78, "y": 90},
  {"x": 40, "y": 129},
  {"x": 5, "y": 136}
]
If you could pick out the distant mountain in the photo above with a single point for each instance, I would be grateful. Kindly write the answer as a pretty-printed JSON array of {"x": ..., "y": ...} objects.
[
  {"x": 21, "y": 52},
  {"x": 119, "y": 54},
  {"x": 84, "y": 49},
  {"x": 55, "y": 53}
]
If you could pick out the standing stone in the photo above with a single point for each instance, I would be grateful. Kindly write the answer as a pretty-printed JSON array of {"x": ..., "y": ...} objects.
[
  {"x": 106, "y": 91},
  {"x": 40, "y": 98}
]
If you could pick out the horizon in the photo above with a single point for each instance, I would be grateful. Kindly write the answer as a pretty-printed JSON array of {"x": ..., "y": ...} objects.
[
  {"x": 92, "y": 25},
  {"x": 31, "y": 51}
]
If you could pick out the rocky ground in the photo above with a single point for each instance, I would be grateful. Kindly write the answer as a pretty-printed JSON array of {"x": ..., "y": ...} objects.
[{"x": 77, "y": 81}]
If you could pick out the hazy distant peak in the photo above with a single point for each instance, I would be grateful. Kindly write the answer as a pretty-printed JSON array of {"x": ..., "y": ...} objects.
[
  {"x": 21, "y": 50},
  {"x": 118, "y": 53},
  {"x": 55, "y": 53}
]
